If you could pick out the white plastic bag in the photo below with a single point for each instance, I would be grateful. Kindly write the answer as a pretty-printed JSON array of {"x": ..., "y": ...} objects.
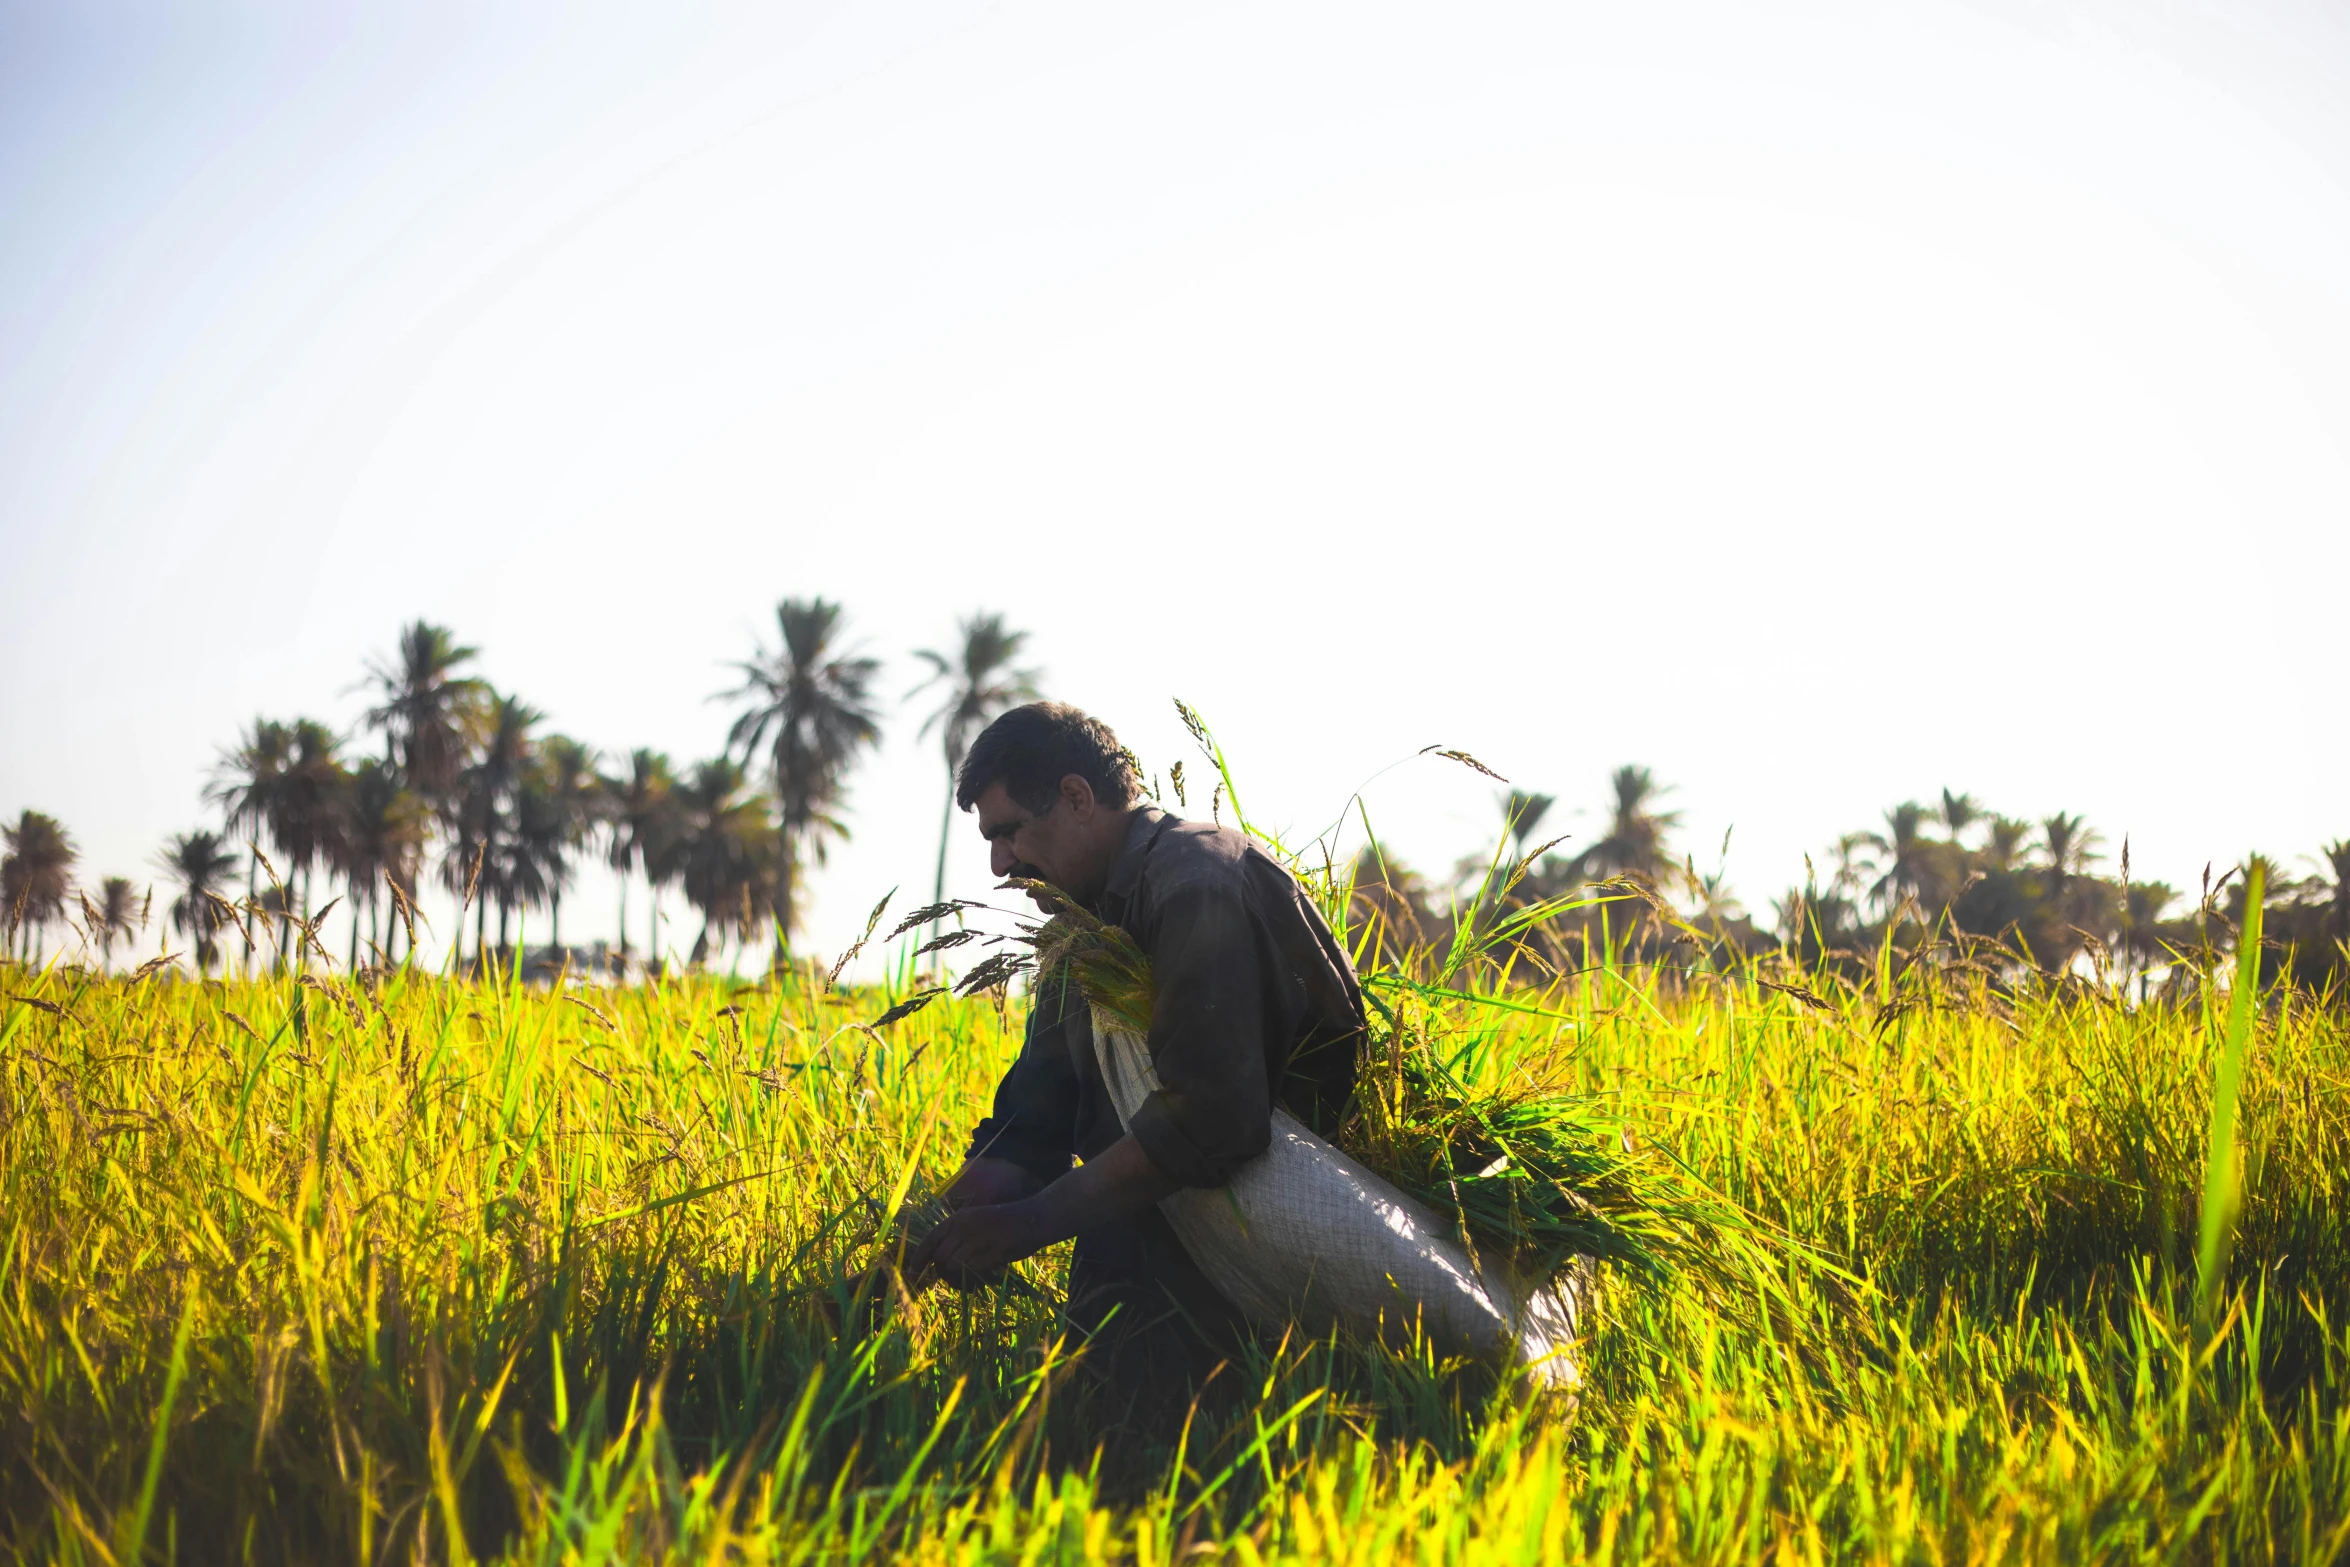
[{"x": 1304, "y": 1234}]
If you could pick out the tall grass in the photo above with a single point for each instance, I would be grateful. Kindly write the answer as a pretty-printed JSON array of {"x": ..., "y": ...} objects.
[{"x": 312, "y": 1270}]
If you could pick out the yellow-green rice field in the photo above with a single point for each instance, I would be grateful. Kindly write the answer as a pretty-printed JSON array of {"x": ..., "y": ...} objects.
[{"x": 405, "y": 1268}]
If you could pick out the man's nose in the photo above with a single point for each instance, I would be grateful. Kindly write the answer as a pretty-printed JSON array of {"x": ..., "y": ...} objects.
[{"x": 999, "y": 859}]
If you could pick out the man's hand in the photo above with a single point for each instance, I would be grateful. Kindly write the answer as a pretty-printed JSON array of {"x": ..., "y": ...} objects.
[
  {"x": 986, "y": 1181},
  {"x": 976, "y": 1242},
  {"x": 1117, "y": 1183}
]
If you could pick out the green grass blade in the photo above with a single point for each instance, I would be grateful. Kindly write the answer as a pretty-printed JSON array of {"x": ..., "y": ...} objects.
[
  {"x": 130, "y": 1540},
  {"x": 2221, "y": 1164}
]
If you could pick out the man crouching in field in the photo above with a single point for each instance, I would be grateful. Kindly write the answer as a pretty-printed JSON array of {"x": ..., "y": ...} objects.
[{"x": 1255, "y": 1005}]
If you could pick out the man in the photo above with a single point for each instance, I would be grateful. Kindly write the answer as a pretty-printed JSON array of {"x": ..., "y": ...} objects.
[{"x": 1256, "y": 1005}]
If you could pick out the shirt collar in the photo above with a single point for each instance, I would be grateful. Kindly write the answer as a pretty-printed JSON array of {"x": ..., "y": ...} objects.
[{"x": 1126, "y": 871}]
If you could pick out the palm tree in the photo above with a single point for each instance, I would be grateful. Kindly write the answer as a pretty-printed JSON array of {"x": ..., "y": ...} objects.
[
  {"x": 1497, "y": 884},
  {"x": 980, "y": 684},
  {"x": 2141, "y": 935},
  {"x": 1522, "y": 814},
  {"x": 1635, "y": 841},
  {"x": 286, "y": 780},
  {"x": 557, "y": 807},
  {"x": 2337, "y": 858},
  {"x": 2314, "y": 927},
  {"x": 202, "y": 863},
  {"x": 247, "y": 783},
  {"x": 641, "y": 811},
  {"x": 482, "y": 862},
  {"x": 2004, "y": 843},
  {"x": 1713, "y": 903},
  {"x": 1851, "y": 860},
  {"x": 2071, "y": 846},
  {"x": 430, "y": 714},
  {"x": 1902, "y": 854},
  {"x": 116, "y": 913},
  {"x": 810, "y": 704},
  {"x": 35, "y": 875},
  {"x": 664, "y": 866},
  {"x": 313, "y": 804},
  {"x": 2276, "y": 886},
  {"x": 383, "y": 840},
  {"x": 1816, "y": 923},
  {"x": 731, "y": 854},
  {"x": 1958, "y": 813}
]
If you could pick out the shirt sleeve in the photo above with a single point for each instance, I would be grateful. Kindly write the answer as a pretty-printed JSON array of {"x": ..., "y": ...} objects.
[
  {"x": 1033, "y": 1123},
  {"x": 1209, "y": 1037}
]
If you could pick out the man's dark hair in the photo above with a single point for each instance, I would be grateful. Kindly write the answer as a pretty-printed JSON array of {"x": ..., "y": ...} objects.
[{"x": 1031, "y": 749}]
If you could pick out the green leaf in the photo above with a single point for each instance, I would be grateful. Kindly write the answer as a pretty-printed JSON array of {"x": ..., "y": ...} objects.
[{"x": 2221, "y": 1163}]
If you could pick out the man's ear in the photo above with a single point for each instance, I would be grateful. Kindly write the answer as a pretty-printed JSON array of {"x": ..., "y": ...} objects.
[{"x": 1079, "y": 794}]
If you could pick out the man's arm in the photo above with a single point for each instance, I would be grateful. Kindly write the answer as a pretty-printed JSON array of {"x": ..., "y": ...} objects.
[
  {"x": 1117, "y": 1183},
  {"x": 1034, "y": 1117},
  {"x": 985, "y": 1182}
]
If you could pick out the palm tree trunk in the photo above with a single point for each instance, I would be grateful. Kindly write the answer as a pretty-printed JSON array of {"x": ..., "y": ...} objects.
[
  {"x": 555, "y": 920},
  {"x": 252, "y": 884},
  {"x": 285, "y": 927},
  {"x": 481, "y": 934},
  {"x": 786, "y": 892},
  {"x": 946, "y": 823},
  {"x": 623, "y": 880}
]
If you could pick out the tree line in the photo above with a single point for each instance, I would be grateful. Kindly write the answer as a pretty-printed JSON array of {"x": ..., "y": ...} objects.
[
  {"x": 2028, "y": 894},
  {"x": 461, "y": 782},
  {"x": 445, "y": 776}
]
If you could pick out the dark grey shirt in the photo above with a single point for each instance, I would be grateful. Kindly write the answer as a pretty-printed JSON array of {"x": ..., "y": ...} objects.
[{"x": 1256, "y": 1006}]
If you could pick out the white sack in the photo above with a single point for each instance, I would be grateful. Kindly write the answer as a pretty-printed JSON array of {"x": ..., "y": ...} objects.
[{"x": 1304, "y": 1234}]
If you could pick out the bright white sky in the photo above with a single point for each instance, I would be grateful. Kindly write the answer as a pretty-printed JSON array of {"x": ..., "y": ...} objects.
[{"x": 1820, "y": 403}]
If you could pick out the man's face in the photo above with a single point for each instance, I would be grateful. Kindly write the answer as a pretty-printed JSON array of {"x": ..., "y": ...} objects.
[{"x": 1057, "y": 845}]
